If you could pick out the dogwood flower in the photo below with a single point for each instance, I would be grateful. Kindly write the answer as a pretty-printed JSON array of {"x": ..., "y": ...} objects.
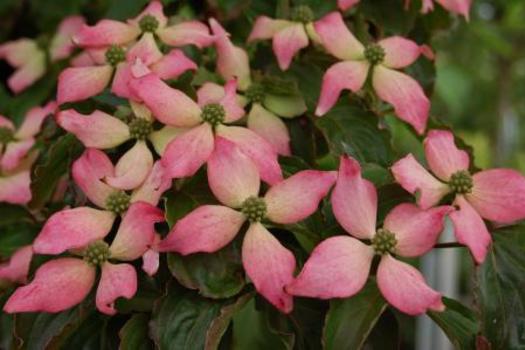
[
  {"x": 201, "y": 123},
  {"x": 288, "y": 36},
  {"x": 339, "y": 266},
  {"x": 30, "y": 59},
  {"x": 266, "y": 108},
  {"x": 461, "y": 7},
  {"x": 346, "y": 4},
  {"x": 16, "y": 269},
  {"x": 62, "y": 283},
  {"x": 496, "y": 194},
  {"x": 16, "y": 157},
  {"x": 380, "y": 60},
  {"x": 234, "y": 179}
]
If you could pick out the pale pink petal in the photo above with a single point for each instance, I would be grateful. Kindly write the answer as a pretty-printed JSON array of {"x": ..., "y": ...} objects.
[
  {"x": 416, "y": 230},
  {"x": 132, "y": 168},
  {"x": 405, "y": 94},
  {"x": 269, "y": 265},
  {"x": 17, "y": 268},
  {"x": 169, "y": 106},
  {"x": 80, "y": 83},
  {"x": 427, "y": 52},
  {"x": 14, "y": 153},
  {"x": 16, "y": 188},
  {"x": 19, "y": 52},
  {"x": 461, "y": 7},
  {"x": 404, "y": 287},
  {"x": 287, "y": 43},
  {"x": 27, "y": 74},
  {"x": 470, "y": 229},
  {"x": 136, "y": 232},
  {"x": 172, "y": 65},
  {"x": 271, "y": 128},
  {"x": 232, "y": 175},
  {"x": 62, "y": 45},
  {"x": 154, "y": 9},
  {"x": 257, "y": 148},
  {"x": 337, "y": 268},
  {"x": 349, "y": 75},
  {"x": 206, "y": 229},
  {"x": 97, "y": 130},
  {"x": 498, "y": 195},
  {"x": 210, "y": 93},
  {"x": 188, "y": 152},
  {"x": 6, "y": 123},
  {"x": 428, "y": 5},
  {"x": 399, "y": 52},
  {"x": 58, "y": 285},
  {"x": 354, "y": 200},
  {"x": 266, "y": 27},
  {"x": 150, "y": 262},
  {"x": 89, "y": 171},
  {"x": 154, "y": 186},
  {"x": 186, "y": 33},
  {"x": 34, "y": 119},
  {"x": 230, "y": 102},
  {"x": 71, "y": 229},
  {"x": 115, "y": 281},
  {"x": 98, "y": 55},
  {"x": 443, "y": 157},
  {"x": 105, "y": 33},
  {"x": 417, "y": 180},
  {"x": 146, "y": 49},
  {"x": 120, "y": 84},
  {"x": 232, "y": 61},
  {"x": 346, "y": 4},
  {"x": 83, "y": 59},
  {"x": 298, "y": 197},
  {"x": 337, "y": 39},
  {"x": 162, "y": 137}
]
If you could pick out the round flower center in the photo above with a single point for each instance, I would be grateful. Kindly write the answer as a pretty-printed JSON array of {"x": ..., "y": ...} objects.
[
  {"x": 97, "y": 253},
  {"x": 254, "y": 208},
  {"x": 6, "y": 135},
  {"x": 213, "y": 113},
  {"x": 118, "y": 202},
  {"x": 374, "y": 54},
  {"x": 140, "y": 128},
  {"x": 115, "y": 54},
  {"x": 255, "y": 93},
  {"x": 302, "y": 13},
  {"x": 384, "y": 242},
  {"x": 461, "y": 182},
  {"x": 148, "y": 23}
]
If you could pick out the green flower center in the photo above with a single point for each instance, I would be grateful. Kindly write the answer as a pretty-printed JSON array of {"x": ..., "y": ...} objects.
[
  {"x": 6, "y": 135},
  {"x": 213, "y": 114},
  {"x": 148, "y": 23},
  {"x": 461, "y": 182},
  {"x": 255, "y": 93},
  {"x": 302, "y": 13},
  {"x": 97, "y": 253},
  {"x": 384, "y": 242},
  {"x": 115, "y": 54},
  {"x": 254, "y": 208},
  {"x": 140, "y": 128},
  {"x": 374, "y": 54},
  {"x": 118, "y": 202}
]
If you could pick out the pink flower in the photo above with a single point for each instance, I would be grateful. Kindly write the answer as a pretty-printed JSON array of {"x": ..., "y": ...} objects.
[
  {"x": 346, "y": 4},
  {"x": 17, "y": 268},
  {"x": 497, "y": 194},
  {"x": 461, "y": 7},
  {"x": 234, "y": 180},
  {"x": 16, "y": 157},
  {"x": 202, "y": 122},
  {"x": 64, "y": 282},
  {"x": 381, "y": 60},
  {"x": 339, "y": 266},
  {"x": 29, "y": 61},
  {"x": 288, "y": 36},
  {"x": 62, "y": 45}
]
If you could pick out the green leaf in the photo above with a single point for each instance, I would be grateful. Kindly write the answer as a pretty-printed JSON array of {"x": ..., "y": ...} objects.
[
  {"x": 390, "y": 15},
  {"x": 134, "y": 334},
  {"x": 181, "y": 319},
  {"x": 349, "y": 321},
  {"x": 501, "y": 293},
  {"x": 12, "y": 214},
  {"x": 15, "y": 236},
  {"x": 353, "y": 131},
  {"x": 52, "y": 167},
  {"x": 458, "y": 322}
]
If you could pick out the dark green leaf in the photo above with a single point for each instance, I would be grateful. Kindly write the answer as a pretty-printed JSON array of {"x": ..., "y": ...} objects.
[
  {"x": 11, "y": 214},
  {"x": 134, "y": 334}
]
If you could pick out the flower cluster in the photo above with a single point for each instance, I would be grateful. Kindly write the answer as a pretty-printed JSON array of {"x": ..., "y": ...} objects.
[{"x": 234, "y": 129}]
